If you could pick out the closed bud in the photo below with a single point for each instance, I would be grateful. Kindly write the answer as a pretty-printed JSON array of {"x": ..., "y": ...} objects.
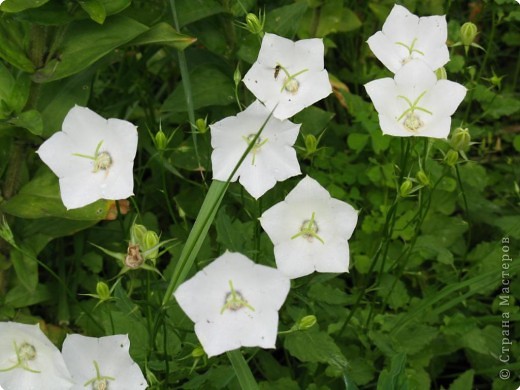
[
  {"x": 254, "y": 24},
  {"x": 311, "y": 144},
  {"x": 307, "y": 322},
  {"x": 468, "y": 32},
  {"x": 102, "y": 291},
  {"x": 423, "y": 178},
  {"x": 161, "y": 142},
  {"x": 451, "y": 158},
  {"x": 460, "y": 139},
  {"x": 197, "y": 352},
  {"x": 202, "y": 125},
  {"x": 237, "y": 76},
  {"x": 137, "y": 233},
  {"x": 441, "y": 73},
  {"x": 406, "y": 188},
  {"x": 150, "y": 247}
]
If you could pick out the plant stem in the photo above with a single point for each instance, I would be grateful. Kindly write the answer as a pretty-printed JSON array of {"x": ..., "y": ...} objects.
[{"x": 244, "y": 375}]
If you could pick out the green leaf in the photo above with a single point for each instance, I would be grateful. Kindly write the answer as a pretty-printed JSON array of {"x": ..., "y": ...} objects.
[
  {"x": 233, "y": 235},
  {"x": 26, "y": 269},
  {"x": 313, "y": 119},
  {"x": 315, "y": 346},
  {"x": 95, "y": 9},
  {"x": 41, "y": 198},
  {"x": 115, "y": 6},
  {"x": 12, "y": 47},
  {"x": 285, "y": 20},
  {"x": 30, "y": 120},
  {"x": 86, "y": 43},
  {"x": 357, "y": 141},
  {"x": 394, "y": 379},
  {"x": 19, "y": 297},
  {"x": 333, "y": 17},
  {"x": 243, "y": 372},
  {"x": 209, "y": 86},
  {"x": 163, "y": 34},
  {"x": 20, "y": 5},
  {"x": 189, "y": 11},
  {"x": 464, "y": 381}
]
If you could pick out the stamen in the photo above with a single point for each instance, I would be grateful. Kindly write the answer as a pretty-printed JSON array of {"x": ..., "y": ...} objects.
[
  {"x": 309, "y": 230},
  {"x": 234, "y": 300},
  {"x": 256, "y": 147},
  {"x": 412, "y": 121},
  {"x": 99, "y": 382}
]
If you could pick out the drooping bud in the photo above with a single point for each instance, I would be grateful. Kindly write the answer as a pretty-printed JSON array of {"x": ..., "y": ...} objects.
[
  {"x": 202, "y": 125},
  {"x": 237, "y": 76},
  {"x": 468, "y": 32},
  {"x": 311, "y": 144},
  {"x": 197, "y": 352},
  {"x": 405, "y": 188},
  {"x": 451, "y": 158},
  {"x": 307, "y": 322},
  {"x": 423, "y": 178},
  {"x": 441, "y": 73},
  {"x": 102, "y": 291},
  {"x": 460, "y": 139}
]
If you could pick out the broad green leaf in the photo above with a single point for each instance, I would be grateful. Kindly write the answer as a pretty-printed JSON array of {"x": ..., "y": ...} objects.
[
  {"x": 20, "y": 5},
  {"x": 284, "y": 21},
  {"x": 210, "y": 87},
  {"x": 30, "y": 120},
  {"x": 12, "y": 47},
  {"x": 95, "y": 9},
  {"x": 26, "y": 269},
  {"x": 464, "y": 381},
  {"x": 395, "y": 378},
  {"x": 189, "y": 11},
  {"x": 357, "y": 141},
  {"x": 235, "y": 236},
  {"x": 163, "y": 34},
  {"x": 41, "y": 198},
  {"x": 115, "y": 6},
  {"x": 333, "y": 17},
  {"x": 314, "y": 120},
  {"x": 87, "y": 42},
  {"x": 19, "y": 297},
  {"x": 315, "y": 346}
]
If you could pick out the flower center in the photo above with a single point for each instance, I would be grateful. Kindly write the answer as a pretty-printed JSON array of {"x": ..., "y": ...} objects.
[
  {"x": 290, "y": 83},
  {"x": 234, "y": 300},
  {"x": 412, "y": 122},
  {"x": 410, "y": 49},
  {"x": 99, "y": 382},
  {"x": 309, "y": 230},
  {"x": 102, "y": 161},
  {"x": 24, "y": 354},
  {"x": 257, "y": 145}
]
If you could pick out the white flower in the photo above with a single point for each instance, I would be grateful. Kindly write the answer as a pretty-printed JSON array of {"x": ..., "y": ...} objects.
[
  {"x": 310, "y": 230},
  {"x": 406, "y": 37},
  {"x": 93, "y": 157},
  {"x": 414, "y": 102},
  {"x": 29, "y": 361},
  {"x": 288, "y": 74},
  {"x": 272, "y": 158},
  {"x": 234, "y": 302},
  {"x": 102, "y": 363}
]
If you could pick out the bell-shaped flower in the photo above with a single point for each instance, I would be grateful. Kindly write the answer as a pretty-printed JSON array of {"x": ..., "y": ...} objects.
[
  {"x": 406, "y": 37},
  {"x": 415, "y": 102},
  {"x": 102, "y": 363},
  {"x": 288, "y": 75},
  {"x": 93, "y": 157},
  {"x": 271, "y": 159},
  {"x": 28, "y": 360},
  {"x": 234, "y": 302},
  {"x": 310, "y": 230}
]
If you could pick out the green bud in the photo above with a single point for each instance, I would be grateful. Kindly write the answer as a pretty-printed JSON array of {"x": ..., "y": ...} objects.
[
  {"x": 451, "y": 158},
  {"x": 406, "y": 188},
  {"x": 202, "y": 125},
  {"x": 137, "y": 233},
  {"x": 151, "y": 239},
  {"x": 460, "y": 139},
  {"x": 161, "y": 142},
  {"x": 311, "y": 144},
  {"x": 423, "y": 178},
  {"x": 307, "y": 322},
  {"x": 468, "y": 32},
  {"x": 197, "y": 352},
  {"x": 441, "y": 73},
  {"x": 102, "y": 291},
  {"x": 237, "y": 76},
  {"x": 254, "y": 25}
]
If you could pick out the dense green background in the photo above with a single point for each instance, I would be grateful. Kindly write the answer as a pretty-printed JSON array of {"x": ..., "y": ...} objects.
[{"x": 420, "y": 307}]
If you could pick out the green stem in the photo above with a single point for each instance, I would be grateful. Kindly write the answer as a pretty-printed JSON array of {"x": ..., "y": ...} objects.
[{"x": 243, "y": 372}]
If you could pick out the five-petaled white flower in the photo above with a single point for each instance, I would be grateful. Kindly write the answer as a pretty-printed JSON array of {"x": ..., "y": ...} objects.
[
  {"x": 271, "y": 159},
  {"x": 288, "y": 75},
  {"x": 405, "y": 37},
  {"x": 102, "y": 363},
  {"x": 234, "y": 302},
  {"x": 28, "y": 360},
  {"x": 93, "y": 157},
  {"x": 414, "y": 102},
  {"x": 310, "y": 230}
]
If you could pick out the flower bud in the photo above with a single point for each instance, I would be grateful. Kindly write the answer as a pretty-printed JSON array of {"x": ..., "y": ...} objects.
[
  {"x": 423, "y": 178},
  {"x": 254, "y": 25},
  {"x": 102, "y": 291},
  {"x": 137, "y": 233},
  {"x": 307, "y": 322},
  {"x": 237, "y": 76},
  {"x": 460, "y": 139},
  {"x": 311, "y": 144},
  {"x": 161, "y": 142},
  {"x": 406, "y": 188},
  {"x": 197, "y": 352},
  {"x": 133, "y": 257},
  {"x": 468, "y": 32},
  {"x": 202, "y": 125},
  {"x": 150, "y": 247},
  {"x": 451, "y": 158},
  {"x": 441, "y": 73}
]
